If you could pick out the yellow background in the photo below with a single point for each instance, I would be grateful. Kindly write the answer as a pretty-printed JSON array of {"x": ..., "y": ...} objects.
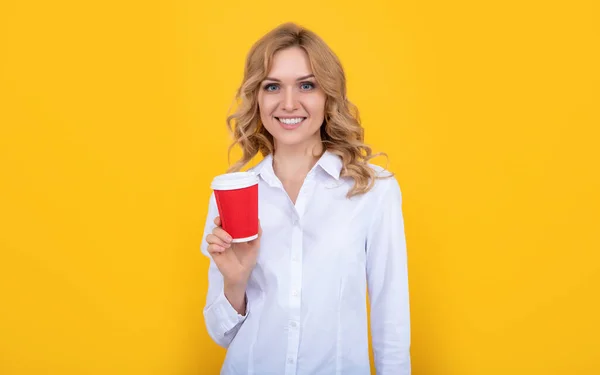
[{"x": 112, "y": 126}]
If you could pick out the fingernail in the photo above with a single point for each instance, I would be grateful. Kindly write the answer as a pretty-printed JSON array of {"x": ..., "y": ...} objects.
[
  {"x": 228, "y": 239},
  {"x": 227, "y": 245}
]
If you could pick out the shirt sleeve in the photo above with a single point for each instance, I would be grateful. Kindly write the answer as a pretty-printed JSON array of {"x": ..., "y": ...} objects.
[
  {"x": 387, "y": 277},
  {"x": 221, "y": 319}
]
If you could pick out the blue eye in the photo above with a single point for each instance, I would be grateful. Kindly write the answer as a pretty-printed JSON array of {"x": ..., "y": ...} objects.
[
  {"x": 307, "y": 86},
  {"x": 270, "y": 87}
]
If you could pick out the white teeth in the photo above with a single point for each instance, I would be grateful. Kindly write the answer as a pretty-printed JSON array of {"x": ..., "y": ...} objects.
[{"x": 291, "y": 121}]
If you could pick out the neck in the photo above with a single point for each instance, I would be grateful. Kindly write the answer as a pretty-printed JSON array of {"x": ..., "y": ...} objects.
[{"x": 293, "y": 163}]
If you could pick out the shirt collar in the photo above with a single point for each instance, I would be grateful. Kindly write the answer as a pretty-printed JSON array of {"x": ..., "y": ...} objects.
[{"x": 329, "y": 162}]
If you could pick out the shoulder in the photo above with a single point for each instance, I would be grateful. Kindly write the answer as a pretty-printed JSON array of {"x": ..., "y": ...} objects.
[
  {"x": 385, "y": 181},
  {"x": 384, "y": 184}
]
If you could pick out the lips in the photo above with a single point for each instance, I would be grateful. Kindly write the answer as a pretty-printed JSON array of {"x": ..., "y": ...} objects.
[{"x": 290, "y": 122}]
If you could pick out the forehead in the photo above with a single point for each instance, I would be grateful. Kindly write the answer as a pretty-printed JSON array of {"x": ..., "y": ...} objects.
[{"x": 290, "y": 63}]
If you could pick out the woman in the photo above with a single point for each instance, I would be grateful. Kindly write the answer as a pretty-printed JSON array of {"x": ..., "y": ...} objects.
[{"x": 293, "y": 301}]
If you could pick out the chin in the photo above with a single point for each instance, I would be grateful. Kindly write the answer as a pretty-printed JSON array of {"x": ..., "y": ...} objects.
[{"x": 291, "y": 139}]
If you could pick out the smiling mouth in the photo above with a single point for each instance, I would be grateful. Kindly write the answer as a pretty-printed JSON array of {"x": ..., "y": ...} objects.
[{"x": 290, "y": 122}]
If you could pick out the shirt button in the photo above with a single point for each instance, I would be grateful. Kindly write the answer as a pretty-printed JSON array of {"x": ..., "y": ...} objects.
[
  {"x": 294, "y": 258},
  {"x": 295, "y": 293},
  {"x": 291, "y": 361},
  {"x": 293, "y": 324}
]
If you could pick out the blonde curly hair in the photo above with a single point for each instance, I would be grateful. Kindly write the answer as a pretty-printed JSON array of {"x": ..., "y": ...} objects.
[{"x": 341, "y": 132}]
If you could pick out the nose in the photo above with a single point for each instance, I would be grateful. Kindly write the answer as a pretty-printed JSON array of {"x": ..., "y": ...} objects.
[{"x": 289, "y": 100}]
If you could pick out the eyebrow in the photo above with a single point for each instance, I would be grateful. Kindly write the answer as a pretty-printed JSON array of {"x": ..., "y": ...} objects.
[{"x": 299, "y": 79}]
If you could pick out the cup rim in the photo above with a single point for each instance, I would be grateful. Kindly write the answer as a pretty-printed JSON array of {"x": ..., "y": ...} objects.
[{"x": 234, "y": 180}]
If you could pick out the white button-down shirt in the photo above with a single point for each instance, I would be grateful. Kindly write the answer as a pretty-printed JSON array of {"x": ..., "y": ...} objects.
[{"x": 306, "y": 308}]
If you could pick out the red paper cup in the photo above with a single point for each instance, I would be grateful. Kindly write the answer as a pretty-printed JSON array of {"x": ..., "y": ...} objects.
[{"x": 237, "y": 200}]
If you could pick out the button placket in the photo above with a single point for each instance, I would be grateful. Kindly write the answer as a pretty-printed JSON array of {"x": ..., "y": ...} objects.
[
  {"x": 295, "y": 305},
  {"x": 295, "y": 299},
  {"x": 295, "y": 296}
]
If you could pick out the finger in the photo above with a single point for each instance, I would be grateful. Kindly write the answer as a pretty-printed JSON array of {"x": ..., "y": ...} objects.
[
  {"x": 218, "y": 221},
  {"x": 215, "y": 249},
  {"x": 212, "y": 239},
  {"x": 222, "y": 235}
]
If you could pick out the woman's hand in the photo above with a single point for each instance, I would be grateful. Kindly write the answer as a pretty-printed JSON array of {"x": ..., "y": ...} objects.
[{"x": 234, "y": 260}]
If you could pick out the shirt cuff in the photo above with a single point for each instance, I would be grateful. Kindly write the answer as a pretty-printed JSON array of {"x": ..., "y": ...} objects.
[{"x": 229, "y": 317}]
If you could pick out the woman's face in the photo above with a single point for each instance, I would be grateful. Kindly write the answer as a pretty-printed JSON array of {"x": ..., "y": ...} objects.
[{"x": 292, "y": 106}]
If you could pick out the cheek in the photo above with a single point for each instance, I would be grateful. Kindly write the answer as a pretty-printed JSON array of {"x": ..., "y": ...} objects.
[
  {"x": 266, "y": 107},
  {"x": 316, "y": 105},
  {"x": 266, "y": 104}
]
